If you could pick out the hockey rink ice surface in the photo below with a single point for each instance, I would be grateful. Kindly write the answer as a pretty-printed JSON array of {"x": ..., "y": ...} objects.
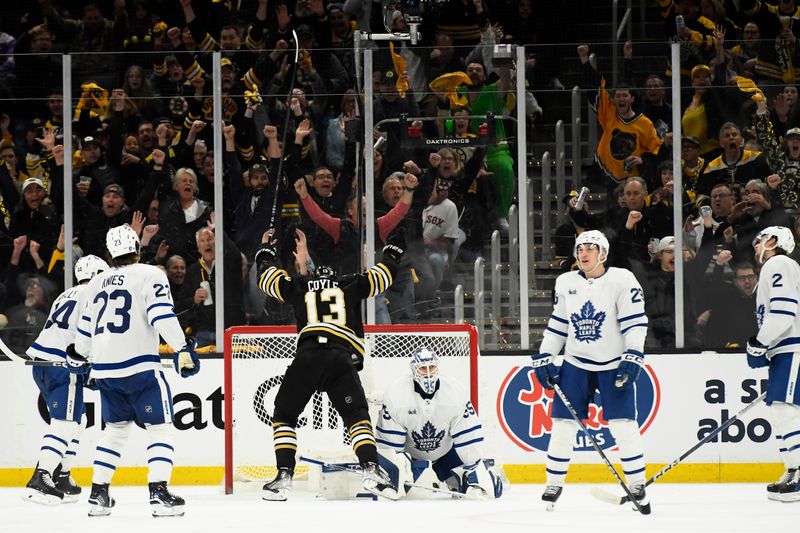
[{"x": 676, "y": 507}]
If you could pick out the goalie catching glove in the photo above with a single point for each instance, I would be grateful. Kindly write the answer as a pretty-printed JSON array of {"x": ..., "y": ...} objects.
[{"x": 186, "y": 361}]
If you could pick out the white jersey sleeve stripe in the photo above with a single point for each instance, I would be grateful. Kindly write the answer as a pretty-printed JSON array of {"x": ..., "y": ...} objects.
[
  {"x": 159, "y": 304},
  {"x": 630, "y": 317},
  {"x": 162, "y": 317},
  {"x": 464, "y": 432},
  {"x": 148, "y": 358},
  {"x": 390, "y": 444},
  {"x": 639, "y": 325},
  {"x": 84, "y": 333},
  {"x": 551, "y": 330},
  {"x": 559, "y": 319},
  {"x": 462, "y": 444},
  {"x": 51, "y": 351}
]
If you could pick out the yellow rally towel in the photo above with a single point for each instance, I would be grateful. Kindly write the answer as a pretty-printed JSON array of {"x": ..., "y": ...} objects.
[
  {"x": 448, "y": 83},
  {"x": 746, "y": 85},
  {"x": 402, "y": 71},
  {"x": 95, "y": 98}
]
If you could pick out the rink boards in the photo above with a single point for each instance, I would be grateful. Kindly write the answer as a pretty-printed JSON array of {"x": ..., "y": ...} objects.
[{"x": 680, "y": 399}]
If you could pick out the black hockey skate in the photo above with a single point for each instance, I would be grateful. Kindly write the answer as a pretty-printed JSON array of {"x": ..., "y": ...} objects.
[
  {"x": 163, "y": 502},
  {"x": 641, "y": 497},
  {"x": 67, "y": 485},
  {"x": 278, "y": 489},
  {"x": 774, "y": 489},
  {"x": 790, "y": 492},
  {"x": 377, "y": 482},
  {"x": 551, "y": 495},
  {"x": 100, "y": 502},
  {"x": 42, "y": 489}
]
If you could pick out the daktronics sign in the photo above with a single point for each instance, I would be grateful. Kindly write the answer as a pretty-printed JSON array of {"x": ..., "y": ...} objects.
[{"x": 524, "y": 407}]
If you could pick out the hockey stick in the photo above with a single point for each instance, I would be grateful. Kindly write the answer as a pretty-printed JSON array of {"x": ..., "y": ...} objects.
[
  {"x": 642, "y": 509},
  {"x": 356, "y": 470},
  {"x": 11, "y": 355},
  {"x": 278, "y": 174},
  {"x": 606, "y": 496}
]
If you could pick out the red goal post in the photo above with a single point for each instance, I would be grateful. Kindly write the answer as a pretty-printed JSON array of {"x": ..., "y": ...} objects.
[{"x": 257, "y": 356}]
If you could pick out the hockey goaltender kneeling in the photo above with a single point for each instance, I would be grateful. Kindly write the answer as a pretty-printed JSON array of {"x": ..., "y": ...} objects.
[{"x": 428, "y": 422}]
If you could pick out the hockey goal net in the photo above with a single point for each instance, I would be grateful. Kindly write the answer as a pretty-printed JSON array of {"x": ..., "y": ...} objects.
[{"x": 256, "y": 358}]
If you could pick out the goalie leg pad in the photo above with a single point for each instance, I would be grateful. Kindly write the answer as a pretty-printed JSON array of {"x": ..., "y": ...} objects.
[
  {"x": 786, "y": 419},
  {"x": 631, "y": 450},
  {"x": 55, "y": 443},
  {"x": 559, "y": 452},
  {"x": 160, "y": 453},
  {"x": 109, "y": 451},
  {"x": 398, "y": 466},
  {"x": 480, "y": 481}
]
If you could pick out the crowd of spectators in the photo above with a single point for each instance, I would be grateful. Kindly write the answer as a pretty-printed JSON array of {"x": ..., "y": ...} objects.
[
  {"x": 740, "y": 154},
  {"x": 145, "y": 152}
]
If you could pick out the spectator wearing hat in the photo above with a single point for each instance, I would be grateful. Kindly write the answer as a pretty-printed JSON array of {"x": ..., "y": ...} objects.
[
  {"x": 252, "y": 206},
  {"x": 95, "y": 174},
  {"x": 657, "y": 278},
  {"x": 38, "y": 221},
  {"x": 783, "y": 162},
  {"x": 692, "y": 164},
  {"x": 735, "y": 165},
  {"x": 26, "y": 302}
]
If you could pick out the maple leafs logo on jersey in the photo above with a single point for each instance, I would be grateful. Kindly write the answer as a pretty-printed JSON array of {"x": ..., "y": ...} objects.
[
  {"x": 429, "y": 440},
  {"x": 760, "y": 315},
  {"x": 588, "y": 323}
]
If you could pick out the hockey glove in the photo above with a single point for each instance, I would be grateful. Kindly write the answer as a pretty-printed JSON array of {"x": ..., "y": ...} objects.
[
  {"x": 756, "y": 353},
  {"x": 186, "y": 361},
  {"x": 267, "y": 252},
  {"x": 76, "y": 363},
  {"x": 395, "y": 245},
  {"x": 546, "y": 371},
  {"x": 629, "y": 369}
]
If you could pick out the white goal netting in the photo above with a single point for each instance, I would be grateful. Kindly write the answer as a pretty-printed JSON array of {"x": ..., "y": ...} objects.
[{"x": 255, "y": 361}]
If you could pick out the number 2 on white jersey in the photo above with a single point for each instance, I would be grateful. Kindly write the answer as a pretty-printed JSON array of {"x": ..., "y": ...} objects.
[{"x": 335, "y": 297}]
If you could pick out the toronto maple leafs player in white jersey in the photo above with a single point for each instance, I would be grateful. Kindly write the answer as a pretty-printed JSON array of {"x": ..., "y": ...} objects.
[
  {"x": 62, "y": 391},
  {"x": 777, "y": 346},
  {"x": 598, "y": 319},
  {"x": 127, "y": 308},
  {"x": 431, "y": 418}
]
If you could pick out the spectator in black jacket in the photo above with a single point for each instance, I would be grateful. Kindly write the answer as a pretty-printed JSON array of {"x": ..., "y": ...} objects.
[
  {"x": 200, "y": 283},
  {"x": 38, "y": 221},
  {"x": 181, "y": 214},
  {"x": 729, "y": 318}
]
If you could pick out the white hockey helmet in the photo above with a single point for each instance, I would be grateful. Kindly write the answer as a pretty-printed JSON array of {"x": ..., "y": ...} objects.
[
  {"x": 88, "y": 267},
  {"x": 425, "y": 367},
  {"x": 122, "y": 240},
  {"x": 592, "y": 237},
  {"x": 783, "y": 237}
]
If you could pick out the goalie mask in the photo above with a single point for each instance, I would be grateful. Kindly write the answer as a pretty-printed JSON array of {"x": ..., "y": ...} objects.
[
  {"x": 88, "y": 267},
  {"x": 784, "y": 240},
  {"x": 425, "y": 366}
]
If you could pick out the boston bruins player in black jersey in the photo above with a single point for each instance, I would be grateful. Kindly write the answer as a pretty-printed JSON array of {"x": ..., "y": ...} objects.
[{"x": 330, "y": 352}]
